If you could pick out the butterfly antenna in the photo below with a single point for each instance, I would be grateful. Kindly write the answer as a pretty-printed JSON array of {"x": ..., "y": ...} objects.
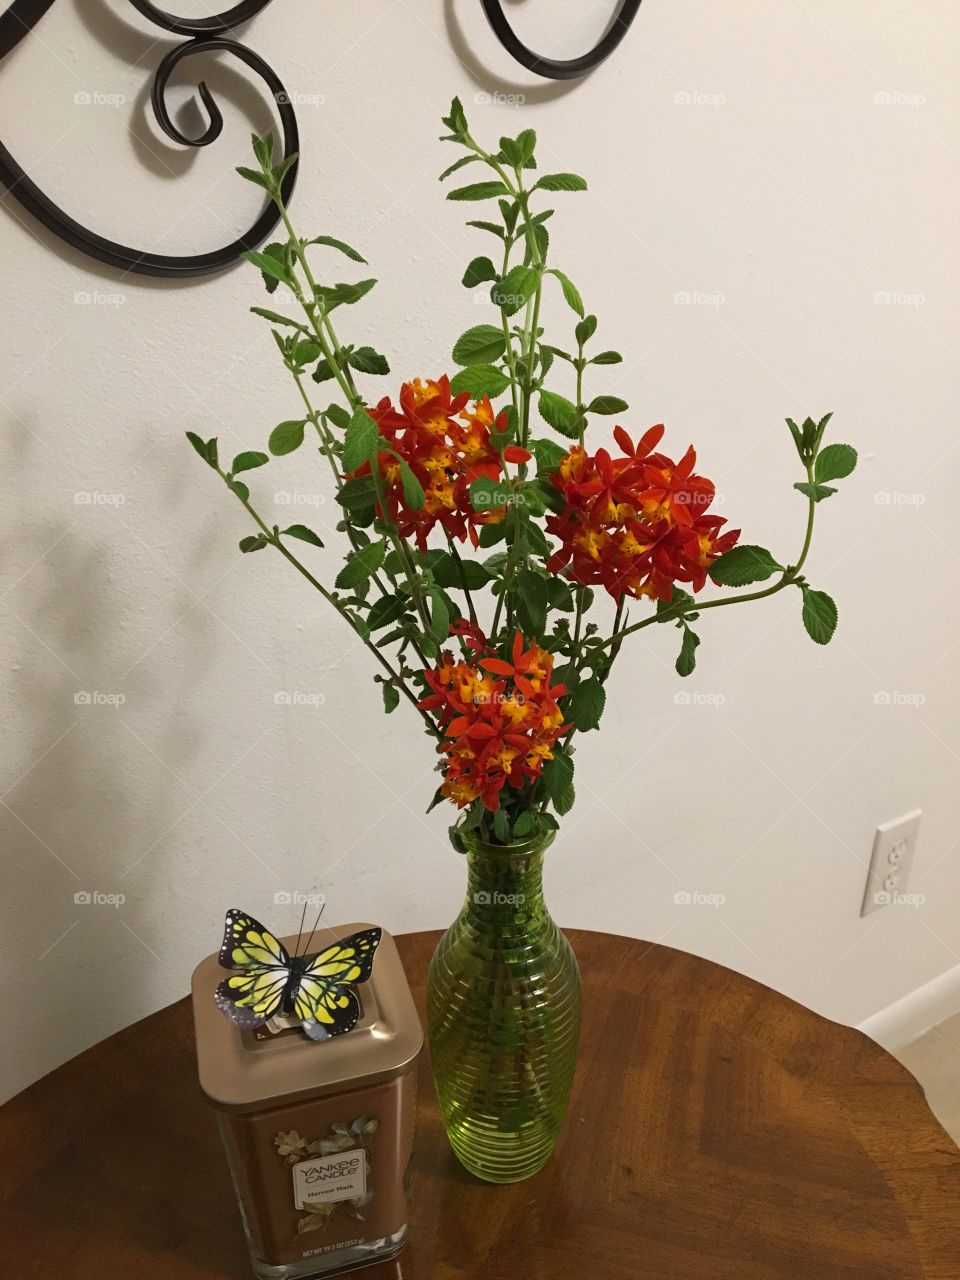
[
  {"x": 303, "y": 916},
  {"x": 306, "y": 949}
]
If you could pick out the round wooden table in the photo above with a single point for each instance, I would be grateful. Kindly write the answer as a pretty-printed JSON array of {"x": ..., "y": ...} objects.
[{"x": 717, "y": 1131}]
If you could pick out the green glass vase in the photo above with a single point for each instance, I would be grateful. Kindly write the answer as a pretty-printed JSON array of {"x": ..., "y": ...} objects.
[{"x": 503, "y": 1010}]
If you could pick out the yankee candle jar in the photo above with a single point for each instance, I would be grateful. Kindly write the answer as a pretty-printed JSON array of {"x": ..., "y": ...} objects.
[{"x": 318, "y": 1134}]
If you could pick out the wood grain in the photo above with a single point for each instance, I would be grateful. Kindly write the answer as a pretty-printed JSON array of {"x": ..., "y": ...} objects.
[{"x": 717, "y": 1131}]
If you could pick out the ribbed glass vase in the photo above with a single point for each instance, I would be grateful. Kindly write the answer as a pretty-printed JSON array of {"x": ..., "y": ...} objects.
[{"x": 503, "y": 1008}]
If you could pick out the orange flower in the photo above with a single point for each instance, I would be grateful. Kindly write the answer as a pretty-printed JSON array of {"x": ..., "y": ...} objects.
[
  {"x": 638, "y": 523},
  {"x": 447, "y": 445},
  {"x": 497, "y": 731}
]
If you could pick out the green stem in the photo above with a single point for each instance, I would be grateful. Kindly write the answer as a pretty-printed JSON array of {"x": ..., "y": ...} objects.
[{"x": 273, "y": 537}]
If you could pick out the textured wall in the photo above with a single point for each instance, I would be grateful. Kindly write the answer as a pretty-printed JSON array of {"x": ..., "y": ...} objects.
[{"x": 790, "y": 168}]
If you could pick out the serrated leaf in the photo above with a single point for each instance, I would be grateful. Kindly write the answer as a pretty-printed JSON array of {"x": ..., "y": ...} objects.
[
  {"x": 743, "y": 565},
  {"x": 515, "y": 289},
  {"x": 478, "y": 191},
  {"x": 560, "y": 182},
  {"x": 286, "y": 436},
  {"x": 360, "y": 441},
  {"x": 487, "y": 495},
  {"x": 586, "y": 704},
  {"x": 607, "y": 357},
  {"x": 688, "y": 652},
  {"x": 482, "y": 344},
  {"x": 247, "y": 461},
  {"x": 439, "y": 614},
  {"x": 391, "y": 696},
  {"x": 269, "y": 265},
  {"x": 525, "y": 824},
  {"x": 557, "y": 775},
  {"x": 304, "y": 533},
  {"x": 835, "y": 462},
  {"x": 570, "y": 291},
  {"x": 815, "y": 491},
  {"x": 276, "y": 318},
  {"x": 480, "y": 380},
  {"x": 339, "y": 244},
  {"x": 488, "y": 226},
  {"x": 366, "y": 360},
  {"x": 386, "y": 610},
  {"x": 255, "y": 542},
  {"x": 607, "y": 405},
  {"x": 819, "y": 615},
  {"x": 457, "y": 164},
  {"x": 255, "y": 175},
  {"x": 478, "y": 271},
  {"x": 361, "y": 565},
  {"x": 586, "y": 329},
  {"x": 559, "y": 412}
]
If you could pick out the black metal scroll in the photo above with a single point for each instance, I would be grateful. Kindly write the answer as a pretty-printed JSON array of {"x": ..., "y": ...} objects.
[
  {"x": 551, "y": 67},
  {"x": 202, "y": 35}
]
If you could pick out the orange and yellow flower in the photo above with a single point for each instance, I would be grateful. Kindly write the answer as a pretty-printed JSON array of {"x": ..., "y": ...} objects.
[
  {"x": 447, "y": 444},
  {"x": 500, "y": 721},
  {"x": 638, "y": 523}
]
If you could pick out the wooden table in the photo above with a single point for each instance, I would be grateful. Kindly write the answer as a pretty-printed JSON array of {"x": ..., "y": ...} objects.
[{"x": 717, "y": 1131}]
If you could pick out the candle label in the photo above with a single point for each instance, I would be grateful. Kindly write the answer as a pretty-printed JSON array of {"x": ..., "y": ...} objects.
[{"x": 342, "y": 1175}]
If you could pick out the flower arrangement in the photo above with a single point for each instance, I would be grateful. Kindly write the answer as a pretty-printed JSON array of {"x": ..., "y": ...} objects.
[{"x": 477, "y": 494}]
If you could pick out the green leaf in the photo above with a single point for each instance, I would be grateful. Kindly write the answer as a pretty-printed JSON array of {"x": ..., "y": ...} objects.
[
  {"x": 343, "y": 294},
  {"x": 276, "y": 318},
  {"x": 305, "y": 351},
  {"x": 531, "y": 602},
  {"x": 819, "y": 615},
  {"x": 587, "y": 703},
  {"x": 607, "y": 405},
  {"x": 586, "y": 329},
  {"x": 362, "y": 564},
  {"x": 255, "y": 542},
  {"x": 361, "y": 441},
  {"x": 286, "y": 437},
  {"x": 501, "y": 826},
  {"x": 479, "y": 270},
  {"x": 366, "y": 360},
  {"x": 338, "y": 244},
  {"x": 482, "y": 344},
  {"x": 358, "y": 494},
  {"x": 835, "y": 462},
  {"x": 247, "y": 461},
  {"x": 304, "y": 533},
  {"x": 526, "y": 823},
  {"x": 742, "y": 565},
  {"x": 199, "y": 444},
  {"x": 457, "y": 164},
  {"x": 386, "y": 610},
  {"x": 478, "y": 191},
  {"x": 413, "y": 494},
  {"x": 391, "y": 696},
  {"x": 488, "y": 226},
  {"x": 452, "y": 575},
  {"x": 480, "y": 380},
  {"x": 560, "y": 413},
  {"x": 439, "y": 615},
  {"x": 815, "y": 491},
  {"x": 269, "y": 265},
  {"x": 486, "y": 494},
  {"x": 688, "y": 652},
  {"x": 515, "y": 289},
  {"x": 323, "y": 372},
  {"x": 560, "y": 182},
  {"x": 607, "y": 357},
  {"x": 239, "y": 488},
  {"x": 557, "y": 775},
  {"x": 570, "y": 291},
  {"x": 547, "y": 453},
  {"x": 255, "y": 175}
]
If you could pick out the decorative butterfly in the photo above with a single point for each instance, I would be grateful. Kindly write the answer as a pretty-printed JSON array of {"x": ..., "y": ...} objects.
[{"x": 268, "y": 981}]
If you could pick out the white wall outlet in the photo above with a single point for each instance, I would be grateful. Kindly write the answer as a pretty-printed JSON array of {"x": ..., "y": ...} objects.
[{"x": 893, "y": 848}]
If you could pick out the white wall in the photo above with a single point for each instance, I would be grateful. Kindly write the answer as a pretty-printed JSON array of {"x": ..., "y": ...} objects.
[{"x": 784, "y": 186}]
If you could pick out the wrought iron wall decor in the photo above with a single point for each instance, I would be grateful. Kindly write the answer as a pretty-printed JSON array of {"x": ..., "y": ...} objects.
[
  {"x": 213, "y": 34},
  {"x": 551, "y": 68}
]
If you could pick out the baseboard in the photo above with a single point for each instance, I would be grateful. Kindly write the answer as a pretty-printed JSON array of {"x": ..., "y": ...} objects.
[{"x": 915, "y": 1013}]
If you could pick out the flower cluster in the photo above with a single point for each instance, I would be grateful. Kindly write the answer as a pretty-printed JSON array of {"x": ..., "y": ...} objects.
[
  {"x": 447, "y": 445},
  {"x": 500, "y": 721},
  {"x": 635, "y": 524}
]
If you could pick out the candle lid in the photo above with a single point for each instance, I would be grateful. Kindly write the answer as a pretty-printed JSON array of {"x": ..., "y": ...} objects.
[{"x": 241, "y": 1071}]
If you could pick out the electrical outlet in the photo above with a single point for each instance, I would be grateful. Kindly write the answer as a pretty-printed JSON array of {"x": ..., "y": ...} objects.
[{"x": 893, "y": 848}]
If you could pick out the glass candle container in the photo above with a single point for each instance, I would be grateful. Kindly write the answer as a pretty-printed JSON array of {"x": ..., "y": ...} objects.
[{"x": 318, "y": 1134}]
